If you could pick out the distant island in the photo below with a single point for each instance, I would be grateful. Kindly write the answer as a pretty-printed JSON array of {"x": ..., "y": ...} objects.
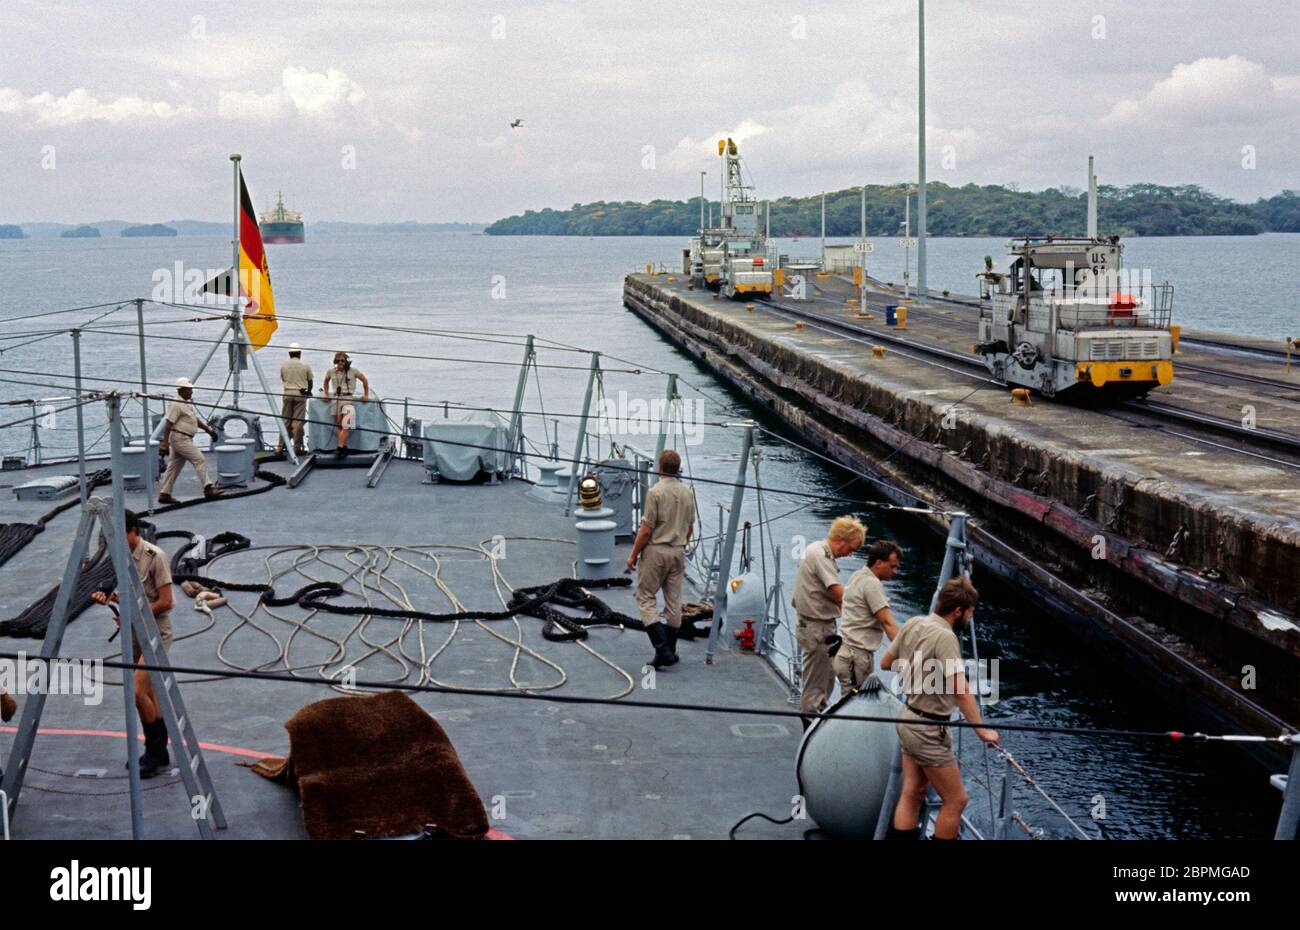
[
  {"x": 972, "y": 210},
  {"x": 81, "y": 232},
  {"x": 12, "y": 232},
  {"x": 149, "y": 229}
]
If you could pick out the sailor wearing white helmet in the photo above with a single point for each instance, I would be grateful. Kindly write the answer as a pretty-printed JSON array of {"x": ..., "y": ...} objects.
[
  {"x": 178, "y": 437},
  {"x": 296, "y": 376}
]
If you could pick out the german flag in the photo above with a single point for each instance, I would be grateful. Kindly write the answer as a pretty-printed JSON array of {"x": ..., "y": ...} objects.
[{"x": 254, "y": 275}]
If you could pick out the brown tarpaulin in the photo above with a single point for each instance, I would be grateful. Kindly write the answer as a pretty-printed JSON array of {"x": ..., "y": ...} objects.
[{"x": 378, "y": 764}]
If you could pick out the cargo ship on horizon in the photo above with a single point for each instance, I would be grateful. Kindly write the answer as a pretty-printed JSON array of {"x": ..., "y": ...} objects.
[{"x": 281, "y": 224}]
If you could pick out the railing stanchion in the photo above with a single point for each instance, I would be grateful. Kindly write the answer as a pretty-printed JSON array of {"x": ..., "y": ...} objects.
[{"x": 729, "y": 542}]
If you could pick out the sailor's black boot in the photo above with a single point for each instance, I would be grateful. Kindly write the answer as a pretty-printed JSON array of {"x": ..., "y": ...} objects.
[
  {"x": 895, "y": 834},
  {"x": 658, "y": 634},
  {"x": 672, "y": 639},
  {"x": 155, "y": 757}
]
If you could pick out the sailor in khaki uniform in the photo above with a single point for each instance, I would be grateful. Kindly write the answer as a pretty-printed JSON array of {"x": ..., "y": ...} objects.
[
  {"x": 666, "y": 527},
  {"x": 295, "y": 376},
  {"x": 341, "y": 385},
  {"x": 177, "y": 443},
  {"x": 817, "y": 598},
  {"x": 866, "y": 619},
  {"x": 928, "y": 659},
  {"x": 156, "y": 579}
]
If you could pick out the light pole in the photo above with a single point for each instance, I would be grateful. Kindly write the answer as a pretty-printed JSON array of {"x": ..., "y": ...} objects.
[
  {"x": 920, "y": 148},
  {"x": 862, "y": 254},
  {"x": 702, "y": 174},
  {"x": 907, "y": 240},
  {"x": 823, "y": 230}
]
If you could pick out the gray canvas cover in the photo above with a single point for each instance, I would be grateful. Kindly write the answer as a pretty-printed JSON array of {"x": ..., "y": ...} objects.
[{"x": 458, "y": 449}]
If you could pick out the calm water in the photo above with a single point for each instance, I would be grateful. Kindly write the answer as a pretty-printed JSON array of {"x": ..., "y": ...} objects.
[{"x": 568, "y": 290}]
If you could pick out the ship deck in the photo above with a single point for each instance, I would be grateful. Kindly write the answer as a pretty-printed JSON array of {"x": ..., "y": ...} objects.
[{"x": 563, "y": 770}]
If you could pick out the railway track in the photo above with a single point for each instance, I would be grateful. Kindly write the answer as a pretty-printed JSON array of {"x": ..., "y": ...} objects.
[{"x": 1153, "y": 413}]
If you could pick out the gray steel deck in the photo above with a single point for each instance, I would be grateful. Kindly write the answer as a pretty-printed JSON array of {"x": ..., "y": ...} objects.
[{"x": 562, "y": 770}]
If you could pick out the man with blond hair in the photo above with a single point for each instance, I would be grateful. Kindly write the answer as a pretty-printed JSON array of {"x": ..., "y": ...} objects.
[{"x": 818, "y": 595}]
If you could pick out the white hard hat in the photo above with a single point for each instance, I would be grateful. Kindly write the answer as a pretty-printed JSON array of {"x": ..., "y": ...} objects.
[
  {"x": 183, "y": 383},
  {"x": 294, "y": 347}
]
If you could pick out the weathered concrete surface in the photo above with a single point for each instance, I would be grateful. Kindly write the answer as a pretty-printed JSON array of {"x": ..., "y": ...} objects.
[{"x": 1201, "y": 539}]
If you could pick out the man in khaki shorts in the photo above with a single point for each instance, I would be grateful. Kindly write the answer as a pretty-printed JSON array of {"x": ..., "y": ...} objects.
[
  {"x": 867, "y": 618},
  {"x": 177, "y": 443},
  {"x": 295, "y": 376},
  {"x": 666, "y": 526},
  {"x": 817, "y": 598},
  {"x": 341, "y": 385},
  {"x": 156, "y": 579},
  {"x": 930, "y": 674}
]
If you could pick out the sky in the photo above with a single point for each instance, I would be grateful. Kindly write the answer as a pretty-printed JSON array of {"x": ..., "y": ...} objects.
[{"x": 390, "y": 110}]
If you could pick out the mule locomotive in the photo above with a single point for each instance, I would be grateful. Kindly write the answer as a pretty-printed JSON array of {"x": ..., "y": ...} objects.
[{"x": 1062, "y": 317}]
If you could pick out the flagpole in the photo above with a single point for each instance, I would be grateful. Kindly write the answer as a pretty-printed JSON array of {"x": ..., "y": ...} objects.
[{"x": 235, "y": 328}]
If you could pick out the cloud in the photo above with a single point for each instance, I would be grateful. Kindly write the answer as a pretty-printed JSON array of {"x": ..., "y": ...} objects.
[
  {"x": 80, "y": 106},
  {"x": 313, "y": 94},
  {"x": 1202, "y": 93},
  {"x": 853, "y": 133}
]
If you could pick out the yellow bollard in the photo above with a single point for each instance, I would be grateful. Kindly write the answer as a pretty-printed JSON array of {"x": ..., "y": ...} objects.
[
  {"x": 902, "y": 317},
  {"x": 1020, "y": 397},
  {"x": 1174, "y": 332},
  {"x": 670, "y": 279},
  {"x": 778, "y": 277},
  {"x": 649, "y": 268}
]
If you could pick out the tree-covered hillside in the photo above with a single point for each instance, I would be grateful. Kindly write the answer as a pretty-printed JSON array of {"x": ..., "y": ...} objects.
[{"x": 972, "y": 210}]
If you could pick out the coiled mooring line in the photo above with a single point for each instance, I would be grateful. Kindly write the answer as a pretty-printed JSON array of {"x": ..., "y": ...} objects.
[
  {"x": 534, "y": 602},
  {"x": 375, "y": 562}
]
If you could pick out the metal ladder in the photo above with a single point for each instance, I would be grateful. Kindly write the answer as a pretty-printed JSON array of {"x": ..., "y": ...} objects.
[{"x": 205, "y": 809}]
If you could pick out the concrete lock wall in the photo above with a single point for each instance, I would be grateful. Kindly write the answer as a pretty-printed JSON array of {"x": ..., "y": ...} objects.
[{"x": 1233, "y": 566}]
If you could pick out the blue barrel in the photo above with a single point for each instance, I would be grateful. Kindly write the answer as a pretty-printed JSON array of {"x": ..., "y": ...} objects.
[{"x": 891, "y": 314}]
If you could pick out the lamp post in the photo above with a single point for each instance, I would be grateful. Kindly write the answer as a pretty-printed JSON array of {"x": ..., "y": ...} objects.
[
  {"x": 702, "y": 174},
  {"x": 920, "y": 148}
]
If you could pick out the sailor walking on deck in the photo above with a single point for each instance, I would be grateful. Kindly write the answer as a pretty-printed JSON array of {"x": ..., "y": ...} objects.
[
  {"x": 817, "y": 598},
  {"x": 666, "y": 527},
  {"x": 156, "y": 579},
  {"x": 341, "y": 384},
  {"x": 296, "y": 377},
  {"x": 928, "y": 656},
  {"x": 177, "y": 441},
  {"x": 867, "y": 618}
]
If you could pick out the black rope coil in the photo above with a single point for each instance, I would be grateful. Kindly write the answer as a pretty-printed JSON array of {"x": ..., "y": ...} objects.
[{"x": 536, "y": 601}]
